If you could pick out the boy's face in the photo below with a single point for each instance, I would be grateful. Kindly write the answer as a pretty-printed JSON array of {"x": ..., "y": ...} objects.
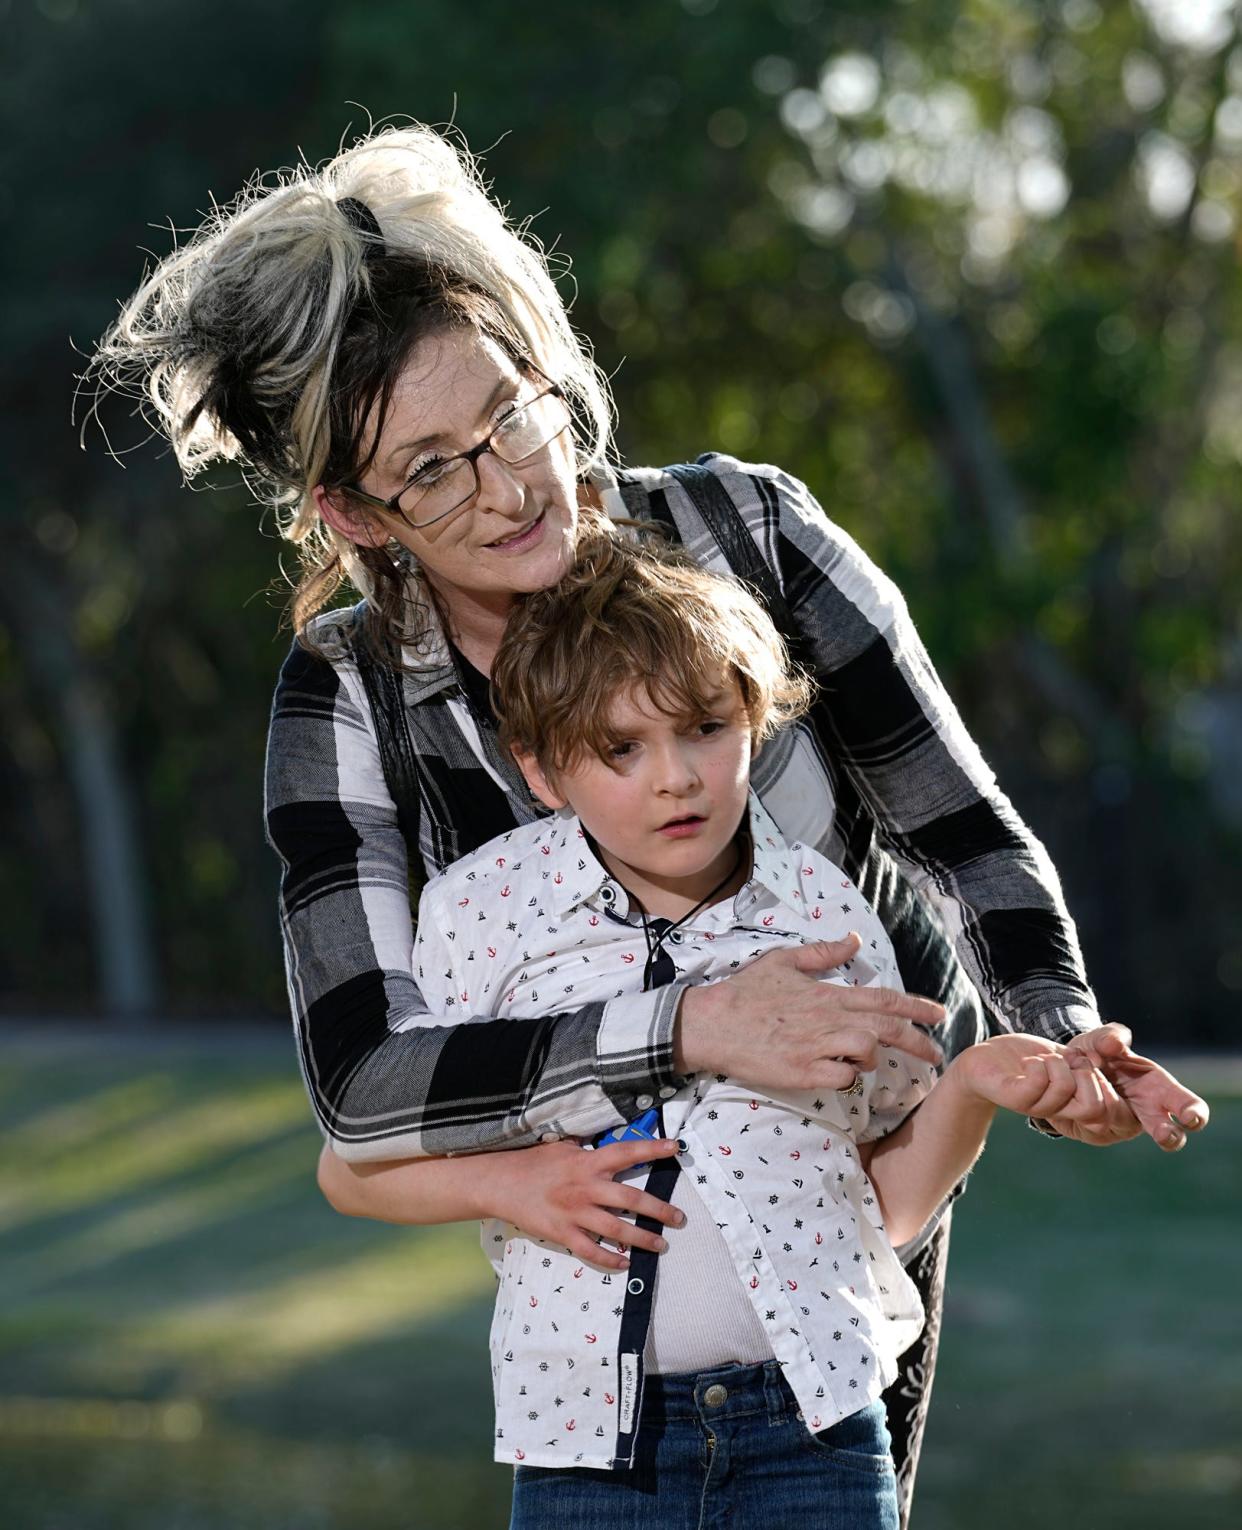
[{"x": 666, "y": 806}]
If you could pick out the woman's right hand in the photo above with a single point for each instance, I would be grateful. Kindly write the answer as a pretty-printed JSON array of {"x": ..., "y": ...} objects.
[
  {"x": 569, "y": 1195},
  {"x": 775, "y": 1026}
]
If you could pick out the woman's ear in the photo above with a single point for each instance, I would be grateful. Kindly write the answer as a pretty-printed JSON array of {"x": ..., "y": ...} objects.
[
  {"x": 537, "y": 780},
  {"x": 350, "y": 518}
]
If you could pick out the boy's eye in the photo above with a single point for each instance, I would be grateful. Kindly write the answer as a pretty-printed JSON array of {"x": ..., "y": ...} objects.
[
  {"x": 708, "y": 727},
  {"x": 620, "y": 751}
]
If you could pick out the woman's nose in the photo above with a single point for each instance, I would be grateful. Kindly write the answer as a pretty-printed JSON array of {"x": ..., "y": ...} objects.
[{"x": 500, "y": 488}]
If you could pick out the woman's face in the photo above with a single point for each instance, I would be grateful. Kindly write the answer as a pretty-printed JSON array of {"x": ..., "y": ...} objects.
[{"x": 519, "y": 532}]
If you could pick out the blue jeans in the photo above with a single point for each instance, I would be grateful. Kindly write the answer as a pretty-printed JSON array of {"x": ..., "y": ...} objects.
[{"x": 706, "y": 1461}]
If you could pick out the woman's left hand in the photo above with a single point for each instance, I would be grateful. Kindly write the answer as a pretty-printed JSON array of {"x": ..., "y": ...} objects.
[{"x": 1141, "y": 1095}]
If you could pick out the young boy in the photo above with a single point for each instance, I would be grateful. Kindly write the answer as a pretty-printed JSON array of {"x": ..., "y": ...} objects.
[{"x": 633, "y": 695}]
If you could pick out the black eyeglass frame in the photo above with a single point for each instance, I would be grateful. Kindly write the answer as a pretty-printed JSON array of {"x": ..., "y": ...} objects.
[{"x": 393, "y": 506}]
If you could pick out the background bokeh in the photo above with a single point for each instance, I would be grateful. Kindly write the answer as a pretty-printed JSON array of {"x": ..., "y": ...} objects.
[{"x": 970, "y": 269}]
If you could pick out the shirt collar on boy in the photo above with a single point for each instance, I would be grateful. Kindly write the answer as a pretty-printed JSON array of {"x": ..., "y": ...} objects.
[{"x": 578, "y": 876}]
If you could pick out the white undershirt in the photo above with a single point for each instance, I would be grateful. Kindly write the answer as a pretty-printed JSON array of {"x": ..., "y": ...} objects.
[{"x": 700, "y": 1318}]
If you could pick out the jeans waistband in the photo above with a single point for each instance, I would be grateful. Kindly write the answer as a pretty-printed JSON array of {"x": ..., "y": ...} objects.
[{"x": 729, "y": 1392}]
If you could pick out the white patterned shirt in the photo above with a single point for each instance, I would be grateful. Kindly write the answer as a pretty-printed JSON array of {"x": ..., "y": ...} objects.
[{"x": 533, "y": 921}]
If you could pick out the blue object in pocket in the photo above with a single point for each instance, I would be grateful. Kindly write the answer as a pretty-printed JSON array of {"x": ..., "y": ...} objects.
[{"x": 646, "y": 1126}]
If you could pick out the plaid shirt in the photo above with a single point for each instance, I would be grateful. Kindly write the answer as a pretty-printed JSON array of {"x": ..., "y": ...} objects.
[{"x": 882, "y": 779}]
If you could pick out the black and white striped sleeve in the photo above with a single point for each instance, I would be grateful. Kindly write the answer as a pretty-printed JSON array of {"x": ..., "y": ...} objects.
[
  {"x": 386, "y": 1078},
  {"x": 896, "y": 732}
]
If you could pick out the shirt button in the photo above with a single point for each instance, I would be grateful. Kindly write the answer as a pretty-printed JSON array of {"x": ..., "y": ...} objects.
[
  {"x": 667, "y": 1093},
  {"x": 644, "y": 1102},
  {"x": 716, "y": 1395}
]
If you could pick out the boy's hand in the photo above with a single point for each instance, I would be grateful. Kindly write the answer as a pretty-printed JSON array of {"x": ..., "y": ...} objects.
[
  {"x": 1034, "y": 1077},
  {"x": 568, "y": 1195}
]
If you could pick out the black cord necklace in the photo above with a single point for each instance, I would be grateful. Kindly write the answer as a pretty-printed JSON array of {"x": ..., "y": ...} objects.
[{"x": 655, "y": 939}]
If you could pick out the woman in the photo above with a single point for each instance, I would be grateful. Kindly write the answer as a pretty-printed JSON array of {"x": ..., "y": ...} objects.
[{"x": 395, "y": 367}]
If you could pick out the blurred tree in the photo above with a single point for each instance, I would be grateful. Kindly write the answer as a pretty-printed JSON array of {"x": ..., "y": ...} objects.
[
  {"x": 968, "y": 268},
  {"x": 107, "y": 571}
]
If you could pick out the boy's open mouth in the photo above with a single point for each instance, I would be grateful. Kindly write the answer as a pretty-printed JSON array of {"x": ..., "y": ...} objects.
[{"x": 685, "y": 823}]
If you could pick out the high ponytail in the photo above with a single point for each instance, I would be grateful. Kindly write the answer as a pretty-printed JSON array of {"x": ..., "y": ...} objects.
[{"x": 271, "y": 335}]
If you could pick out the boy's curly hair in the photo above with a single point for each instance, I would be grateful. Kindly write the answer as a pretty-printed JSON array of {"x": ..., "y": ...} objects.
[{"x": 624, "y": 615}]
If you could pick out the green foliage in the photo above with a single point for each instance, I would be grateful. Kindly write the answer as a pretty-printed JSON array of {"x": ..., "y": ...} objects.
[{"x": 967, "y": 268}]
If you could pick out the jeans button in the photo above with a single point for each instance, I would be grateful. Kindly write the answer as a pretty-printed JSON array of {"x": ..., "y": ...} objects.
[{"x": 715, "y": 1395}]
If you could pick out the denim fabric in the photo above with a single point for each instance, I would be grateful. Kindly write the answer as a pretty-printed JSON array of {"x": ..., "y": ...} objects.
[{"x": 704, "y": 1462}]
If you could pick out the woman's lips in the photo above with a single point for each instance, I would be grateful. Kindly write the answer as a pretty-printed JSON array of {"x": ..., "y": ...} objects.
[{"x": 520, "y": 541}]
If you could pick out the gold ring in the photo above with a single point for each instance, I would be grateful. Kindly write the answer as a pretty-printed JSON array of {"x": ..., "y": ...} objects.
[{"x": 855, "y": 1088}]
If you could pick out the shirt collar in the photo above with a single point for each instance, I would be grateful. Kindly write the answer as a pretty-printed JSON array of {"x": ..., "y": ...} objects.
[
  {"x": 575, "y": 871},
  {"x": 579, "y": 876},
  {"x": 774, "y": 866}
]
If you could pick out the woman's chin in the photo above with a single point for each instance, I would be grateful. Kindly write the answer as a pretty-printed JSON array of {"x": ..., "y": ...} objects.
[{"x": 544, "y": 565}]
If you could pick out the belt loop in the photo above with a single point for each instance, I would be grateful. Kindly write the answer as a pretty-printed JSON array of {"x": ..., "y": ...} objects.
[{"x": 775, "y": 1394}]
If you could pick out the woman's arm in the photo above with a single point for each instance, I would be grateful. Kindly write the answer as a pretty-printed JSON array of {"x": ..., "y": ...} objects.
[
  {"x": 558, "y": 1191},
  {"x": 909, "y": 762},
  {"x": 389, "y": 1077},
  {"x": 914, "y": 1168}
]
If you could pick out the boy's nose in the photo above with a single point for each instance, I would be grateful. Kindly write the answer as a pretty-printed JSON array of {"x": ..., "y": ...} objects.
[{"x": 677, "y": 774}]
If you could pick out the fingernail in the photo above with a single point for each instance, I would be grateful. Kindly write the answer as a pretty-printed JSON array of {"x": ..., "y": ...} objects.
[
  {"x": 680, "y": 1219},
  {"x": 1191, "y": 1120},
  {"x": 661, "y": 1246}
]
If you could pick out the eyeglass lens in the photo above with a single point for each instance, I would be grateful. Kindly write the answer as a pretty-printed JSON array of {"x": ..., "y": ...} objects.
[{"x": 519, "y": 436}]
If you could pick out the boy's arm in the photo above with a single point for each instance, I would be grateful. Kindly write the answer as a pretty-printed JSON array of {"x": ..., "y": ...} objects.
[
  {"x": 412, "y": 1192},
  {"x": 916, "y": 1167},
  {"x": 557, "y": 1191}
]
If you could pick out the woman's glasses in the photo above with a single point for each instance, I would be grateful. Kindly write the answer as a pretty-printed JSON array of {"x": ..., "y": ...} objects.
[{"x": 446, "y": 484}]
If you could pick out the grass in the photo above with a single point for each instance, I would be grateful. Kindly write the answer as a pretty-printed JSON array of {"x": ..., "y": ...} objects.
[{"x": 190, "y": 1339}]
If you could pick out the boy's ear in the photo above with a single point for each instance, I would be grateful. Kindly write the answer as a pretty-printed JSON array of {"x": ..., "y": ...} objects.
[
  {"x": 350, "y": 517},
  {"x": 536, "y": 779}
]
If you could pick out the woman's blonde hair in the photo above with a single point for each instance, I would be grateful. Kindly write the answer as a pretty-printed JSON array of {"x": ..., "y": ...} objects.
[
  {"x": 628, "y": 615},
  {"x": 275, "y": 334}
]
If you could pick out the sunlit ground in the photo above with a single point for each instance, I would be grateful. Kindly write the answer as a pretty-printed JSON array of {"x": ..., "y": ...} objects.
[{"x": 190, "y": 1340}]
